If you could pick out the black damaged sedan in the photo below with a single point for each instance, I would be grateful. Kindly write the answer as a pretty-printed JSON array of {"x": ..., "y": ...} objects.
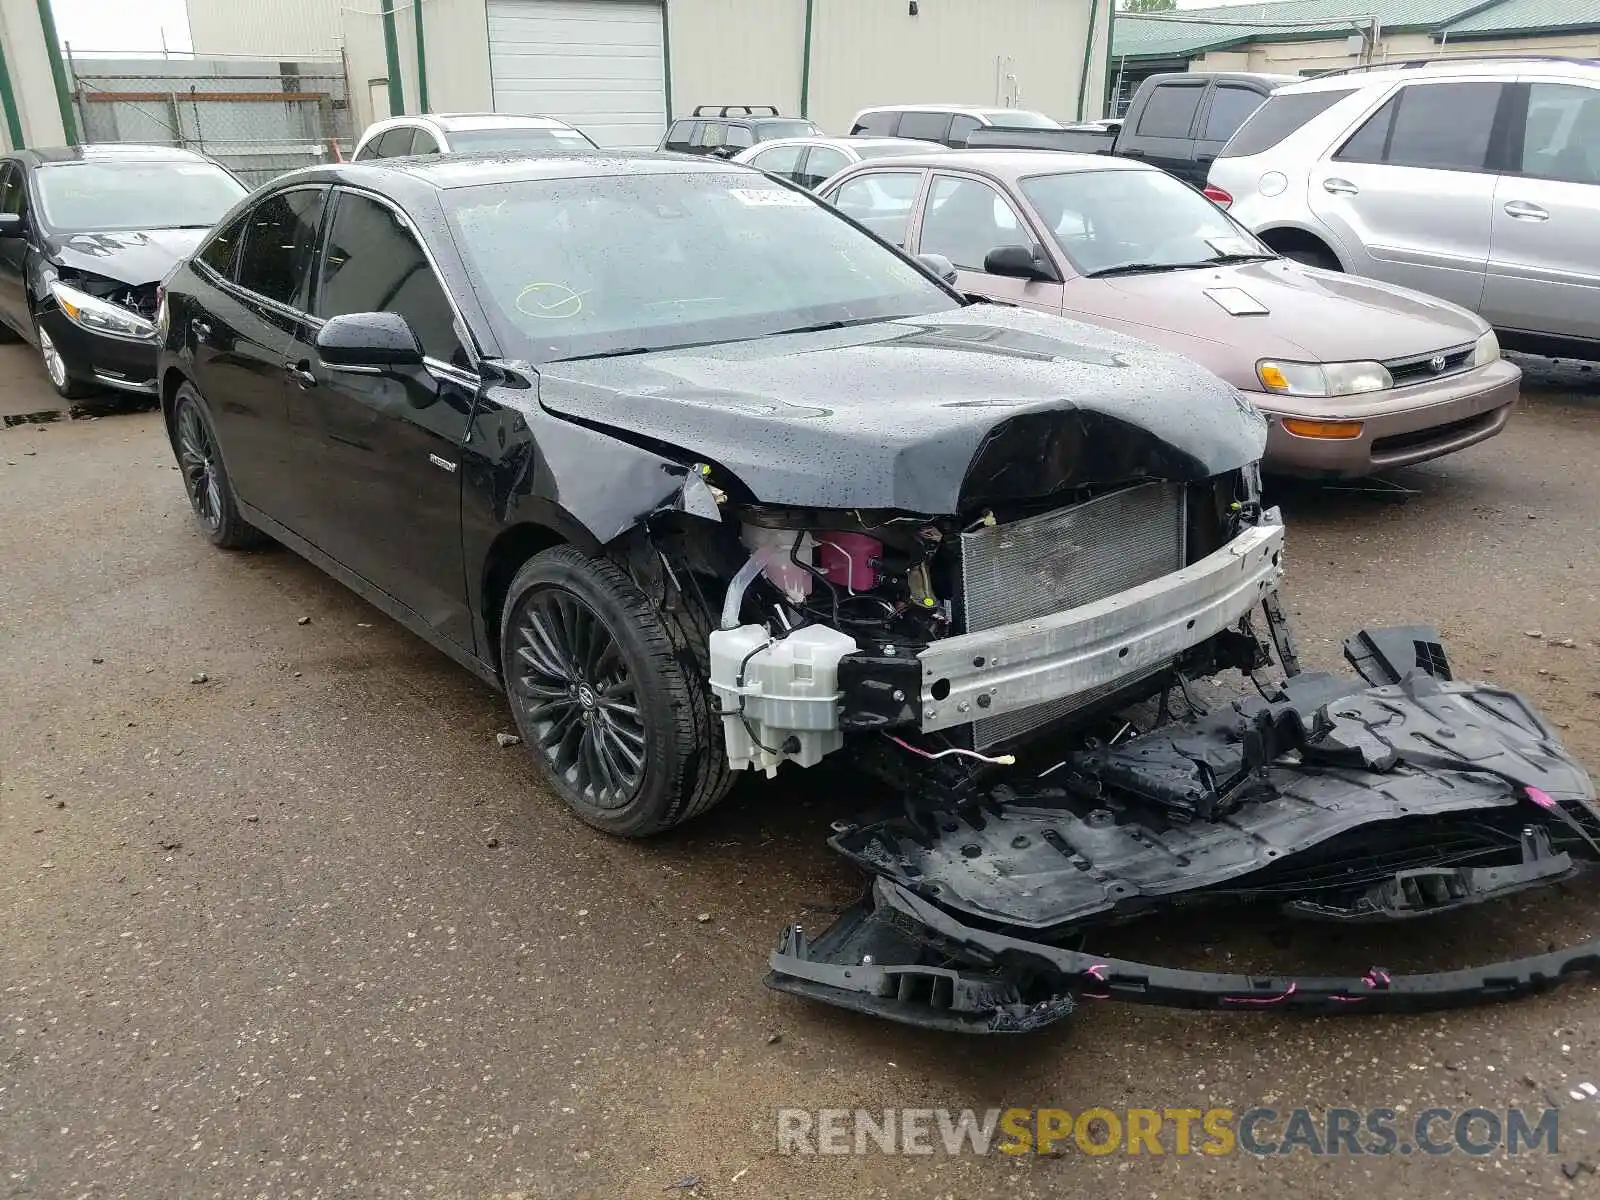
[
  {"x": 86, "y": 235},
  {"x": 710, "y": 480}
]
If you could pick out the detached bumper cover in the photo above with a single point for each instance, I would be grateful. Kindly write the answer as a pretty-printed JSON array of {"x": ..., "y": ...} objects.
[
  {"x": 997, "y": 983},
  {"x": 1401, "y": 795}
]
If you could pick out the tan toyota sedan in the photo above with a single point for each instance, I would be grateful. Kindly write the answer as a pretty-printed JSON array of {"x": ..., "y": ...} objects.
[{"x": 1355, "y": 376}]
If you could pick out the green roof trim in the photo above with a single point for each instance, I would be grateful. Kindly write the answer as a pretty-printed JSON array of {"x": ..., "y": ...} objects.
[
  {"x": 1192, "y": 32},
  {"x": 1525, "y": 18}
]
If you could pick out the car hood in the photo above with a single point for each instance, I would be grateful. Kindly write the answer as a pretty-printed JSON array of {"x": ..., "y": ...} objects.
[
  {"x": 134, "y": 258},
  {"x": 1312, "y": 316},
  {"x": 928, "y": 415}
]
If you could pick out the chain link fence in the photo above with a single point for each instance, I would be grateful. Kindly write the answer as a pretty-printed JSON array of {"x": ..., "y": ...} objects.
[{"x": 259, "y": 119}]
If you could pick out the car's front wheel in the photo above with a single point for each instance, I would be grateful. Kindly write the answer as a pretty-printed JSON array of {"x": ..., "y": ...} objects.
[
  {"x": 56, "y": 369},
  {"x": 205, "y": 478},
  {"x": 610, "y": 694}
]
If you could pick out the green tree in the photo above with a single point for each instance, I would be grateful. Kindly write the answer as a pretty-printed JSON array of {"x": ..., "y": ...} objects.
[{"x": 1149, "y": 6}]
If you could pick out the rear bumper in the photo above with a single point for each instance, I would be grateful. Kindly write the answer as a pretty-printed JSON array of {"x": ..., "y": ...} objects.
[
  {"x": 1399, "y": 427},
  {"x": 118, "y": 363}
]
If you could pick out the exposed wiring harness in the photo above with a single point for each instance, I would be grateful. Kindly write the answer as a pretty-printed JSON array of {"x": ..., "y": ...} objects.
[{"x": 999, "y": 760}]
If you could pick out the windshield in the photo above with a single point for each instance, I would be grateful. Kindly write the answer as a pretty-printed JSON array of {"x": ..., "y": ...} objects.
[
  {"x": 477, "y": 141},
  {"x": 1108, "y": 219},
  {"x": 571, "y": 268},
  {"x": 1021, "y": 118},
  {"x": 109, "y": 196}
]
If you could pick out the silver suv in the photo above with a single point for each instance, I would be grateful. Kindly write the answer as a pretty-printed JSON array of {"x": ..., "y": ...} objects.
[{"x": 1476, "y": 179}]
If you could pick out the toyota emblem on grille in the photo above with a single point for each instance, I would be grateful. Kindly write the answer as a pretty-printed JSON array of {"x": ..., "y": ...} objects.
[{"x": 1436, "y": 363}]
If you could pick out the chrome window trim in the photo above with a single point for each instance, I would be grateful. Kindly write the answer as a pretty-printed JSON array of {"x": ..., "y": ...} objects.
[
  {"x": 231, "y": 285},
  {"x": 463, "y": 331}
]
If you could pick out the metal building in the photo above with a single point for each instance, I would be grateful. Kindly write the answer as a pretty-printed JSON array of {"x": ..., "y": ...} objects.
[{"x": 620, "y": 68}]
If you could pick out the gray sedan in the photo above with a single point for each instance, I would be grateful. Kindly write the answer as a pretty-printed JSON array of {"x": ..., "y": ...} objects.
[
  {"x": 809, "y": 161},
  {"x": 1354, "y": 375}
]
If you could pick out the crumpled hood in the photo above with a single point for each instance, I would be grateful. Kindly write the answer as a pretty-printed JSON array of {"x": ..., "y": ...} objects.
[
  {"x": 928, "y": 415},
  {"x": 135, "y": 258},
  {"x": 1313, "y": 316}
]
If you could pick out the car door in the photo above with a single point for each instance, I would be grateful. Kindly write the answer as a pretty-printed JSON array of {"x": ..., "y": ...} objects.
[
  {"x": 14, "y": 250},
  {"x": 1544, "y": 256},
  {"x": 822, "y": 164},
  {"x": 1409, "y": 195},
  {"x": 249, "y": 285},
  {"x": 1164, "y": 133},
  {"x": 387, "y": 447},
  {"x": 883, "y": 201},
  {"x": 1227, "y": 106},
  {"x": 964, "y": 218}
]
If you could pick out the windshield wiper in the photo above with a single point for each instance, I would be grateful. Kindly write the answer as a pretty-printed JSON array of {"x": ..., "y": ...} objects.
[
  {"x": 1142, "y": 268},
  {"x": 621, "y": 352},
  {"x": 1226, "y": 259}
]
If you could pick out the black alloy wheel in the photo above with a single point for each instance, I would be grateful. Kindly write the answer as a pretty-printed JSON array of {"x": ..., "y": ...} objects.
[
  {"x": 610, "y": 692},
  {"x": 578, "y": 698},
  {"x": 205, "y": 477}
]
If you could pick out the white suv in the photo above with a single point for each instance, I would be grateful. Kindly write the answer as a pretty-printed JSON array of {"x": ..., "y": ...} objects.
[
  {"x": 1475, "y": 179},
  {"x": 458, "y": 133}
]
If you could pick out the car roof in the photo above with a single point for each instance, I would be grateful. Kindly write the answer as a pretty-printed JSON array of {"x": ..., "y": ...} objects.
[
  {"x": 987, "y": 111},
  {"x": 454, "y": 122},
  {"x": 912, "y": 145},
  {"x": 1014, "y": 164},
  {"x": 447, "y": 171},
  {"x": 109, "y": 152},
  {"x": 1465, "y": 66}
]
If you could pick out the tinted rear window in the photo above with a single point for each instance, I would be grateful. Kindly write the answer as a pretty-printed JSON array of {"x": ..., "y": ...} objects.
[
  {"x": 1170, "y": 110},
  {"x": 1278, "y": 118}
]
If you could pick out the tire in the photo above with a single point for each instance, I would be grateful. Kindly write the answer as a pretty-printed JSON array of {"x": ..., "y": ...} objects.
[
  {"x": 610, "y": 694},
  {"x": 1313, "y": 256},
  {"x": 61, "y": 378},
  {"x": 205, "y": 478}
]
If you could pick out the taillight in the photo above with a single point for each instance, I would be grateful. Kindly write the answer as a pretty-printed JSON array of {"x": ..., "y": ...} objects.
[{"x": 1216, "y": 195}]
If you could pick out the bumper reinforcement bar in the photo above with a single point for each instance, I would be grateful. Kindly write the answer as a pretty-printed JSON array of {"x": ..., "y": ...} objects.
[{"x": 1070, "y": 653}]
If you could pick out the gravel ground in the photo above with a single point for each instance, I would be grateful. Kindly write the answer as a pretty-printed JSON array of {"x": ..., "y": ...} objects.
[{"x": 278, "y": 917}]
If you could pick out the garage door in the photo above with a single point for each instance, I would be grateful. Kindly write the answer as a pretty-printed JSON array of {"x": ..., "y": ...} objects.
[{"x": 596, "y": 64}]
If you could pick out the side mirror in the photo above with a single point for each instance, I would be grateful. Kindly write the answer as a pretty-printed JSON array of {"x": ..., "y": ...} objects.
[
  {"x": 1019, "y": 262},
  {"x": 11, "y": 225},
  {"x": 369, "y": 343},
  {"x": 940, "y": 266}
]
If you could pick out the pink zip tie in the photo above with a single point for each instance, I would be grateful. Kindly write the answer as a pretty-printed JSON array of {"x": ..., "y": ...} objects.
[
  {"x": 1261, "y": 999},
  {"x": 1348, "y": 999},
  {"x": 1096, "y": 971},
  {"x": 1377, "y": 977},
  {"x": 1540, "y": 797}
]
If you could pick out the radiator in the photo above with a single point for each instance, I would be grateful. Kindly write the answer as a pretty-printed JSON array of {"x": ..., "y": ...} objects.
[{"x": 1060, "y": 560}]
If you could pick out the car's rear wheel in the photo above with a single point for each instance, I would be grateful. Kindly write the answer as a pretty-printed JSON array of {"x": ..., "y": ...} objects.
[
  {"x": 610, "y": 695},
  {"x": 205, "y": 478},
  {"x": 56, "y": 369}
]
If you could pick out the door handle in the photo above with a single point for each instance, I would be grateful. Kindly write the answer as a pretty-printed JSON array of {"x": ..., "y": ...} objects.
[
  {"x": 301, "y": 374},
  {"x": 1520, "y": 210},
  {"x": 1340, "y": 187},
  {"x": 202, "y": 331}
]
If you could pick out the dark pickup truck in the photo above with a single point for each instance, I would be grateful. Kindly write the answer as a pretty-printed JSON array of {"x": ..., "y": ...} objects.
[{"x": 1176, "y": 121}]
